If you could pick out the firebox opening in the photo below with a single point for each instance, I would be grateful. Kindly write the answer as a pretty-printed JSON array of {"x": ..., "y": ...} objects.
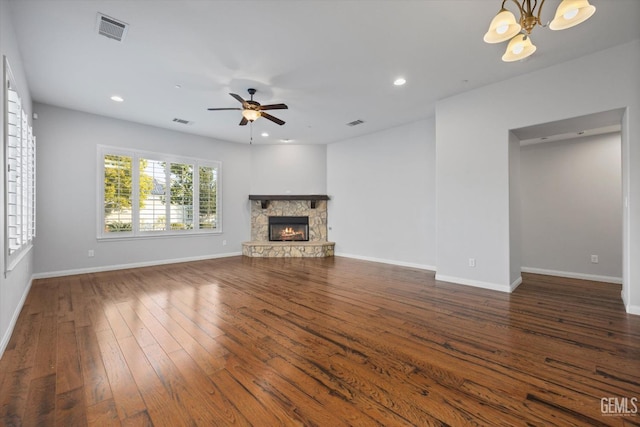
[{"x": 288, "y": 228}]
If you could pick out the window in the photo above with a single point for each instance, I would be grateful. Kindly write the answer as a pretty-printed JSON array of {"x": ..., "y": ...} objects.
[
  {"x": 20, "y": 175},
  {"x": 151, "y": 194},
  {"x": 117, "y": 193},
  {"x": 207, "y": 200},
  {"x": 181, "y": 193},
  {"x": 152, "y": 189}
]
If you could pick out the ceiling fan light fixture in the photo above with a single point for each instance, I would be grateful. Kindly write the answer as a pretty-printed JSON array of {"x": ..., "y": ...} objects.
[
  {"x": 503, "y": 27},
  {"x": 252, "y": 110},
  {"x": 250, "y": 115},
  {"x": 519, "y": 48},
  {"x": 571, "y": 13}
]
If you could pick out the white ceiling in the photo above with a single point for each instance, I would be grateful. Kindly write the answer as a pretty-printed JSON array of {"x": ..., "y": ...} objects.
[{"x": 331, "y": 61}]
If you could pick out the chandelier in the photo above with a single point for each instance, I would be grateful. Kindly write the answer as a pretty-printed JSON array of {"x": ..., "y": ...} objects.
[{"x": 504, "y": 26}]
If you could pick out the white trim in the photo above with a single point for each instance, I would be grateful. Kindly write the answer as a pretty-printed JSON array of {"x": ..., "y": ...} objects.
[
  {"x": 136, "y": 156},
  {"x": 571, "y": 275},
  {"x": 14, "y": 318},
  {"x": 476, "y": 283},
  {"x": 61, "y": 273},
  {"x": 12, "y": 263},
  {"x": 160, "y": 235},
  {"x": 633, "y": 309},
  {"x": 515, "y": 284},
  {"x": 630, "y": 309},
  {"x": 389, "y": 261}
]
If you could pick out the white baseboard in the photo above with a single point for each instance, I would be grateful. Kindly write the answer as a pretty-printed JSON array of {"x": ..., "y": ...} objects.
[
  {"x": 633, "y": 309},
  {"x": 479, "y": 284},
  {"x": 14, "y": 319},
  {"x": 61, "y": 273},
  {"x": 629, "y": 308},
  {"x": 389, "y": 261},
  {"x": 571, "y": 275},
  {"x": 515, "y": 284}
]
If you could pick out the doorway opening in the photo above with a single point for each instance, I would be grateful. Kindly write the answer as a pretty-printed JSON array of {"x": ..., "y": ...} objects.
[{"x": 567, "y": 198}]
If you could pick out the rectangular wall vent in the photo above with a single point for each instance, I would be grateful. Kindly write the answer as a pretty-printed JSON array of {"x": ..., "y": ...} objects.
[
  {"x": 355, "y": 122},
  {"x": 182, "y": 121},
  {"x": 111, "y": 28}
]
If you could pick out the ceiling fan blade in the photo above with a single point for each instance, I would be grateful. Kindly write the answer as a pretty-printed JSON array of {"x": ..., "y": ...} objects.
[
  {"x": 273, "y": 119},
  {"x": 239, "y": 98},
  {"x": 273, "y": 107},
  {"x": 244, "y": 121},
  {"x": 221, "y": 109}
]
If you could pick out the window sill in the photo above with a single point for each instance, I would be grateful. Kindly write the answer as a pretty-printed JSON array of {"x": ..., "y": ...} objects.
[
  {"x": 14, "y": 260},
  {"x": 158, "y": 235}
]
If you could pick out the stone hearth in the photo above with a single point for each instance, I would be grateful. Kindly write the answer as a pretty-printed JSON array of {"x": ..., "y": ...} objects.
[
  {"x": 262, "y": 207},
  {"x": 288, "y": 249}
]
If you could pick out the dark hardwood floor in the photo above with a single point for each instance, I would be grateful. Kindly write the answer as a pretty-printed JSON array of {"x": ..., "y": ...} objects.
[{"x": 317, "y": 342}]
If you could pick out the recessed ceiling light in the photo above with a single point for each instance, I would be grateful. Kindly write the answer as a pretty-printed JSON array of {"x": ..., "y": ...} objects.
[
  {"x": 178, "y": 86},
  {"x": 117, "y": 98},
  {"x": 285, "y": 140},
  {"x": 264, "y": 134},
  {"x": 399, "y": 81}
]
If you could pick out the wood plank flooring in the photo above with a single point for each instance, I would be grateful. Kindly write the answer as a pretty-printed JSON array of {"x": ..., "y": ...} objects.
[{"x": 317, "y": 342}]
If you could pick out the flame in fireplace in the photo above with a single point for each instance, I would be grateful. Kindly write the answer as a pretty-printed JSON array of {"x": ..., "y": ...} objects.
[{"x": 289, "y": 233}]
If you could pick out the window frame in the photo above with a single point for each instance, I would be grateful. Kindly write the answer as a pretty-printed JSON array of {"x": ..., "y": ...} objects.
[
  {"x": 168, "y": 159},
  {"x": 20, "y": 192}
]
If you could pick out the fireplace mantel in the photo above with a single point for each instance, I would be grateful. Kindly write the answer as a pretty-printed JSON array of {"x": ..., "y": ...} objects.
[{"x": 264, "y": 199}]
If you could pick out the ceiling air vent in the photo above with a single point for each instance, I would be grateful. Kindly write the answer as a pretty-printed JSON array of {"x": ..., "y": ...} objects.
[
  {"x": 182, "y": 121},
  {"x": 355, "y": 123},
  {"x": 111, "y": 28}
]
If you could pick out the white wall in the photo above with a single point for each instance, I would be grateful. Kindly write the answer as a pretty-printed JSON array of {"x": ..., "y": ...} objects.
[
  {"x": 472, "y": 162},
  {"x": 515, "y": 209},
  {"x": 572, "y": 207},
  {"x": 382, "y": 189},
  {"x": 288, "y": 169},
  {"x": 16, "y": 283},
  {"x": 67, "y": 207}
]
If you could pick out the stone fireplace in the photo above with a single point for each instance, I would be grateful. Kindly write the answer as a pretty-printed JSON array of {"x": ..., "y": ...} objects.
[{"x": 288, "y": 226}]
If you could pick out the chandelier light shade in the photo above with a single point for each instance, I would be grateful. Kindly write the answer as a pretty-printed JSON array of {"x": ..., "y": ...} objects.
[
  {"x": 250, "y": 115},
  {"x": 502, "y": 28},
  {"x": 519, "y": 48},
  {"x": 504, "y": 25},
  {"x": 571, "y": 13}
]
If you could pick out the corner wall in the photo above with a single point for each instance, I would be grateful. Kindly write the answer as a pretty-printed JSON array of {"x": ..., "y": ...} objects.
[
  {"x": 288, "y": 169},
  {"x": 515, "y": 213},
  {"x": 382, "y": 189},
  {"x": 472, "y": 163},
  {"x": 14, "y": 285}
]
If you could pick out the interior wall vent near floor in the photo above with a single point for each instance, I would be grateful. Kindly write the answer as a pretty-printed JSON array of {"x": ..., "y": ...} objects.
[
  {"x": 111, "y": 28},
  {"x": 182, "y": 121},
  {"x": 355, "y": 122}
]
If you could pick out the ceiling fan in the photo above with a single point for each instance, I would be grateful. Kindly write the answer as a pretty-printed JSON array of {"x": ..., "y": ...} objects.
[{"x": 251, "y": 109}]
